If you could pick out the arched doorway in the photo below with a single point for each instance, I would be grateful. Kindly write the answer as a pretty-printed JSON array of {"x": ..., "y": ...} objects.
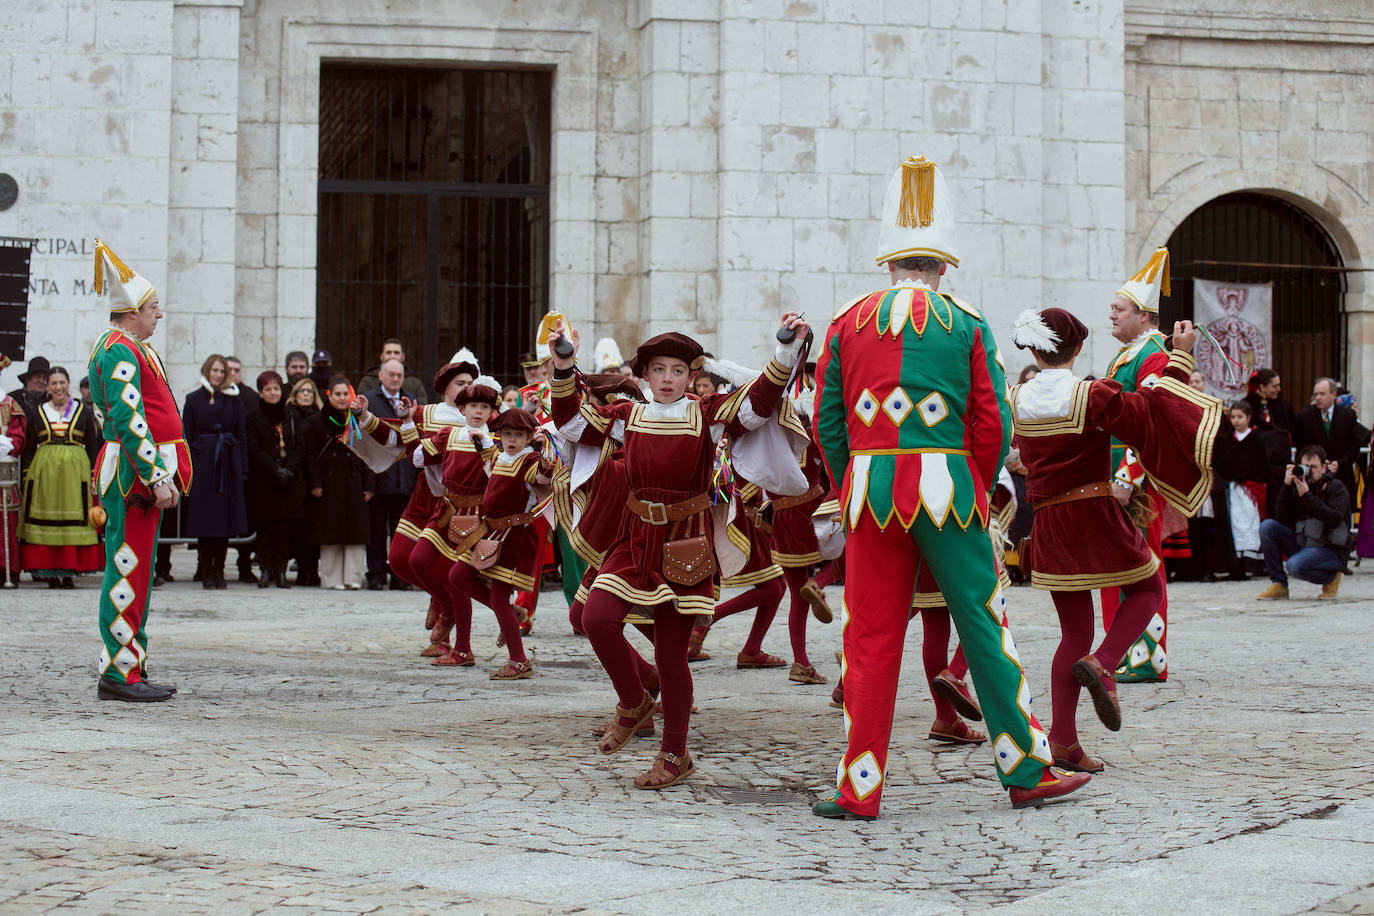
[{"x": 1249, "y": 237}]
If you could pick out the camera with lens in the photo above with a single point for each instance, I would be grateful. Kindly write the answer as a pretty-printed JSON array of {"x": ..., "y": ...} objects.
[{"x": 1301, "y": 472}]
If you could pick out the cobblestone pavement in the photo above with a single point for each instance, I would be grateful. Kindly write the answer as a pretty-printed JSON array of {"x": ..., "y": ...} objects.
[{"x": 313, "y": 759}]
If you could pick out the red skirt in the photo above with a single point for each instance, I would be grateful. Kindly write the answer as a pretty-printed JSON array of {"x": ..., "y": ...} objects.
[
  {"x": 633, "y": 569},
  {"x": 1087, "y": 544},
  {"x": 794, "y": 535},
  {"x": 516, "y": 561},
  {"x": 66, "y": 559}
]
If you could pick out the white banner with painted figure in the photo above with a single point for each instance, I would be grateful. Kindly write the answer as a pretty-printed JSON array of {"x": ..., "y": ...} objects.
[{"x": 1239, "y": 317}]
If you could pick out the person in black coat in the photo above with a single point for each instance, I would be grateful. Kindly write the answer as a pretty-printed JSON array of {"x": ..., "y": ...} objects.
[
  {"x": 214, "y": 424},
  {"x": 340, "y": 486},
  {"x": 1274, "y": 420},
  {"x": 276, "y": 481},
  {"x": 303, "y": 403},
  {"x": 250, "y": 407},
  {"x": 1335, "y": 428},
  {"x": 394, "y": 485}
]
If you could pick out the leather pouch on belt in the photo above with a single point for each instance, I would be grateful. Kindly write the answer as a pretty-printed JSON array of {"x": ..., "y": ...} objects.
[
  {"x": 1023, "y": 555},
  {"x": 464, "y": 530},
  {"x": 688, "y": 561},
  {"x": 486, "y": 552}
]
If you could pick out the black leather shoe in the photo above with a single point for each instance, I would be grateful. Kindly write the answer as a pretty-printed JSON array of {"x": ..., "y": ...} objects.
[
  {"x": 68, "y": 582},
  {"x": 281, "y": 579},
  {"x": 264, "y": 580},
  {"x": 170, "y": 688},
  {"x": 374, "y": 585},
  {"x": 141, "y": 692}
]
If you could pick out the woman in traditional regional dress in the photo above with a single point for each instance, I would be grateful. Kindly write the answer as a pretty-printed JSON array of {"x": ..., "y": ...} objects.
[
  {"x": 56, "y": 537},
  {"x": 216, "y": 431},
  {"x": 663, "y": 559},
  {"x": 1064, "y": 426}
]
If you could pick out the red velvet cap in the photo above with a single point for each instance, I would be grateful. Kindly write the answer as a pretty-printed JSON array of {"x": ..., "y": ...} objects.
[
  {"x": 673, "y": 344},
  {"x": 517, "y": 418},
  {"x": 474, "y": 392},
  {"x": 608, "y": 383}
]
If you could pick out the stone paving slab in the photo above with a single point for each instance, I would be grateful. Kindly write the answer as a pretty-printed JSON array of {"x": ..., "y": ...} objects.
[{"x": 313, "y": 760}]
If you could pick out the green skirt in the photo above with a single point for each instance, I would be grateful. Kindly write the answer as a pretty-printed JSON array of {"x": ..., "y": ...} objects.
[{"x": 57, "y": 496}]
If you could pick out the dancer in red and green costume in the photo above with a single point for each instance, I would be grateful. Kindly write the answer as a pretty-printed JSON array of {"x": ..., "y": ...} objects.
[
  {"x": 143, "y": 468},
  {"x": 1140, "y": 364},
  {"x": 913, "y": 424}
]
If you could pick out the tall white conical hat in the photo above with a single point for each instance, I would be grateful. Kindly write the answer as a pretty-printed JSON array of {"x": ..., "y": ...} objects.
[
  {"x": 607, "y": 355},
  {"x": 127, "y": 290},
  {"x": 1146, "y": 284},
  {"x": 918, "y": 215}
]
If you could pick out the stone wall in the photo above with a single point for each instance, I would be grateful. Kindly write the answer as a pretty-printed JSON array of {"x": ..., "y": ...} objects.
[
  {"x": 116, "y": 123},
  {"x": 1263, "y": 95}
]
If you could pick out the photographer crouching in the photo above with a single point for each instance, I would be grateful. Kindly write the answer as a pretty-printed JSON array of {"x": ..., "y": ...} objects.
[{"x": 1311, "y": 526}]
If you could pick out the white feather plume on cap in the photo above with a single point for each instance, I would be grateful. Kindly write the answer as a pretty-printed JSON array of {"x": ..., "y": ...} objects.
[
  {"x": 734, "y": 373},
  {"x": 464, "y": 355},
  {"x": 1029, "y": 331}
]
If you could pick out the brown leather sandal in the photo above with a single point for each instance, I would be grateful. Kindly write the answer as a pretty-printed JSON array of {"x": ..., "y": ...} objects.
[
  {"x": 694, "y": 650},
  {"x": 805, "y": 674},
  {"x": 956, "y": 691},
  {"x": 643, "y": 731},
  {"x": 626, "y": 722},
  {"x": 815, "y": 597},
  {"x": 455, "y": 657},
  {"x": 957, "y": 732},
  {"x": 1074, "y": 758},
  {"x": 438, "y": 639},
  {"x": 1088, "y": 671},
  {"x": 512, "y": 671},
  {"x": 661, "y": 777},
  {"x": 762, "y": 660}
]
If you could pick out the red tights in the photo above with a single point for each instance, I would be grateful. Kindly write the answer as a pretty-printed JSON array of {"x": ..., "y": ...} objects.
[
  {"x": 766, "y": 597},
  {"x": 463, "y": 579},
  {"x": 646, "y": 670},
  {"x": 603, "y": 619},
  {"x": 1076, "y": 624},
  {"x": 430, "y": 569}
]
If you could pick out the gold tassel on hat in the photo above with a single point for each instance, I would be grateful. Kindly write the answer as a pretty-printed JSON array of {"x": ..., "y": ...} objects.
[
  {"x": 918, "y": 193},
  {"x": 124, "y": 270}
]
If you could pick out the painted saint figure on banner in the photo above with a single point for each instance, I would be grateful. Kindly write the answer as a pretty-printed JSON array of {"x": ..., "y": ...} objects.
[{"x": 1238, "y": 317}]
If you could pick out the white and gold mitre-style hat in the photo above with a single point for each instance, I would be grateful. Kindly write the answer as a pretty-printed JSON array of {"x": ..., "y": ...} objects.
[
  {"x": 1146, "y": 284},
  {"x": 918, "y": 215},
  {"x": 127, "y": 290}
]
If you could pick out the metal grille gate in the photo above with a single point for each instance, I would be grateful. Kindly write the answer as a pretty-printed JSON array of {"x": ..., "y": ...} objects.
[
  {"x": 1255, "y": 238},
  {"x": 433, "y": 213}
]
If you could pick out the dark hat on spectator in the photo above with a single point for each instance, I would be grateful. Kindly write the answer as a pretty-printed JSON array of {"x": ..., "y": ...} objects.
[
  {"x": 1049, "y": 331},
  {"x": 38, "y": 365},
  {"x": 267, "y": 378},
  {"x": 484, "y": 389},
  {"x": 608, "y": 385},
  {"x": 672, "y": 344},
  {"x": 517, "y": 418},
  {"x": 322, "y": 356},
  {"x": 529, "y": 360}
]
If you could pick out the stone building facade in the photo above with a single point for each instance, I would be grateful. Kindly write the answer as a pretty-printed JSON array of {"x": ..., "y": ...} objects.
[{"x": 713, "y": 161}]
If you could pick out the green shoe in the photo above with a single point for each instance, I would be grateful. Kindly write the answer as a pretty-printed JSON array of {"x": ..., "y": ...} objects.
[
  {"x": 1124, "y": 675},
  {"x": 833, "y": 809}
]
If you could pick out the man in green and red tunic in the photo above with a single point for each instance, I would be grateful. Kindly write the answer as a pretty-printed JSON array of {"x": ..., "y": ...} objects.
[
  {"x": 1140, "y": 364},
  {"x": 913, "y": 424},
  {"x": 142, "y": 469}
]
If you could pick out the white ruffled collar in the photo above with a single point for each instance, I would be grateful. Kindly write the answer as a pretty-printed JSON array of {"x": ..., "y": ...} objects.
[
  {"x": 503, "y": 458},
  {"x": 232, "y": 389},
  {"x": 676, "y": 410},
  {"x": 446, "y": 413},
  {"x": 1047, "y": 396}
]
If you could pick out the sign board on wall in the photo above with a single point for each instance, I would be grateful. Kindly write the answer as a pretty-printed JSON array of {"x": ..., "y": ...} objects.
[
  {"x": 1240, "y": 317},
  {"x": 15, "y": 257}
]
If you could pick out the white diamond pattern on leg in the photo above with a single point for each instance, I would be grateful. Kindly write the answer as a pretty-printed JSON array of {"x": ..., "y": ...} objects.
[
  {"x": 121, "y": 631},
  {"x": 1140, "y": 653},
  {"x": 1158, "y": 660},
  {"x": 997, "y": 604},
  {"x": 1040, "y": 747},
  {"x": 1009, "y": 646},
  {"x": 125, "y": 661},
  {"x": 1023, "y": 699},
  {"x": 104, "y": 660},
  {"x": 865, "y": 775},
  {"x": 125, "y": 560},
  {"x": 1006, "y": 753},
  {"x": 122, "y": 595},
  {"x": 1156, "y": 628},
  {"x": 839, "y": 773}
]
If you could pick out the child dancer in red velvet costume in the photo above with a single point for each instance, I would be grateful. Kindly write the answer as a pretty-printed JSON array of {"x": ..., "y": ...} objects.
[
  {"x": 1082, "y": 539},
  {"x": 401, "y": 437},
  {"x": 519, "y": 477},
  {"x": 666, "y": 541},
  {"x": 461, "y": 453}
]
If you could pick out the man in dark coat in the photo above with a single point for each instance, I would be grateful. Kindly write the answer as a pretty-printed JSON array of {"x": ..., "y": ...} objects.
[
  {"x": 1335, "y": 428},
  {"x": 412, "y": 387},
  {"x": 250, "y": 407},
  {"x": 394, "y": 485}
]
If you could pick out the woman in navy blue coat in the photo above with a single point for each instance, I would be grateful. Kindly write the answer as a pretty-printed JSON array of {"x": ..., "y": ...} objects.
[{"x": 213, "y": 421}]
